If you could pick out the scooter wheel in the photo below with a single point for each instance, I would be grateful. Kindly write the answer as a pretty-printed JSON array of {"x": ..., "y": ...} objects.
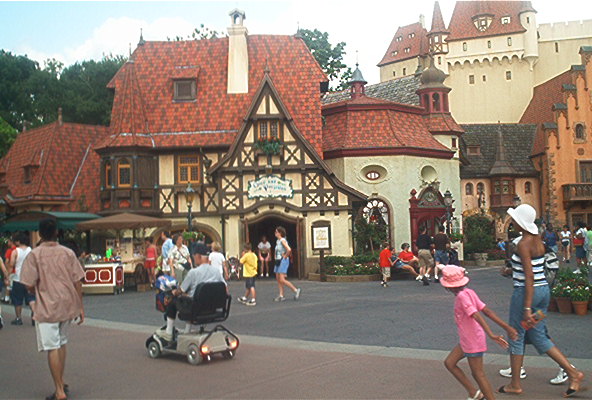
[
  {"x": 194, "y": 357},
  {"x": 154, "y": 350},
  {"x": 229, "y": 354}
]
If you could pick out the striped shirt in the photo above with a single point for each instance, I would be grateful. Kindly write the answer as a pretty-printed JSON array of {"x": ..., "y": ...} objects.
[{"x": 538, "y": 269}]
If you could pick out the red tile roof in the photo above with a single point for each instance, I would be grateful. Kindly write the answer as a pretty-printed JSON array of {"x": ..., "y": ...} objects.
[
  {"x": 144, "y": 112},
  {"x": 438, "y": 25},
  {"x": 462, "y": 27},
  {"x": 442, "y": 123},
  {"x": 64, "y": 165},
  {"x": 418, "y": 44},
  {"x": 540, "y": 108},
  {"x": 372, "y": 124}
]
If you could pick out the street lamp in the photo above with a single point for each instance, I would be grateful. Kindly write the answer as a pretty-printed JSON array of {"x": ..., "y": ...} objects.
[
  {"x": 448, "y": 200},
  {"x": 189, "y": 196},
  {"x": 517, "y": 201}
]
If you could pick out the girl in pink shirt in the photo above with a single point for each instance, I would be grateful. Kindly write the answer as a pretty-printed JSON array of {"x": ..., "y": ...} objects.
[{"x": 472, "y": 328}]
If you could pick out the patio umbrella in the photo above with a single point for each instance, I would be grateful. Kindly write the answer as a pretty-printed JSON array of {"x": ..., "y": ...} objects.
[{"x": 124, "y": 221}]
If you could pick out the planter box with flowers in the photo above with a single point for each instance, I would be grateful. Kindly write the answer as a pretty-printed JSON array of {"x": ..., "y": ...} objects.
[
  {"x": 350, "y": 269},
  {"x": 271, "y": 146},
  {"x": 572, "y": 291}
]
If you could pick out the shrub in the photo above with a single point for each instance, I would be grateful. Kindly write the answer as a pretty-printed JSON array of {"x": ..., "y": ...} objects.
[
  {"x": 337, "y": 260},
  {"x": 496, "y": 254},
  {"x": 365, "y": 258},
  {"x": 479, "y": 234},
  {"x": 353, "y": 269}
]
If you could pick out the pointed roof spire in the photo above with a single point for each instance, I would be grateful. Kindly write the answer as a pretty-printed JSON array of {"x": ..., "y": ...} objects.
[
  {"x": 501, "y": 166},
  {"x": 141, "y": 41},
  {"x": 357, "y": 76},
  {"x": 438, "y": 25}
]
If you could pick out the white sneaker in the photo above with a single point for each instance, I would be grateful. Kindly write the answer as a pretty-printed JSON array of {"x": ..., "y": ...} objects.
[
  {"x": 478, "y": 396},
  {"x": 577, "y": 271},
  {"x": 419, "y": 277},
  {"x": 242, "y": 299},
  {"x": 560, "y": 378},
  {"x": 162, "y": 333},
  {"x": 251, "y": 302},
  {"x": 297, "y": 294},
  {"x": 508, "y": 372}
]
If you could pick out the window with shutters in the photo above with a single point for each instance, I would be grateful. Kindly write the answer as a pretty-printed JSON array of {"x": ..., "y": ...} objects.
[
  {"x": 188, "y": 169},
  {"x": 185, "y": 90}
]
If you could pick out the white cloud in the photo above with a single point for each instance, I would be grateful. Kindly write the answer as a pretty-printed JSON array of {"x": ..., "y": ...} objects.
[{"x": 114, "y": 36}]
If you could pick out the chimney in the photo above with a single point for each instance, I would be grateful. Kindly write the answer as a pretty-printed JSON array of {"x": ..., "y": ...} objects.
[
  {"x": 422, "y": 20},
  {"x": 238, "y": 55},
  {"x": 60, "y": 121}
]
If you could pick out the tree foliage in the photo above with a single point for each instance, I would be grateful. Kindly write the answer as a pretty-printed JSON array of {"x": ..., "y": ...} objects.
[
  {"x": 329, "y": 57},
  {"x": 369, "y": 236},
  {"x": 203, "y": 32},
  {"x": 7, "y": 137},
  {"x": 33, "y": 93}
]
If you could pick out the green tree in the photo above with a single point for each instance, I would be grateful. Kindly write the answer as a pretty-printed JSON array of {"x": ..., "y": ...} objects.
[
  {"x": 369, "y": 236},
  {"x": 16, "y": 97},
  {"x": 479, "y": 234},
  {"x": 203, "y": 32},
  {"x": 86, "y": 98},
  {"x": 7, "y": 137},
  {"x": 329, "y": 57}
]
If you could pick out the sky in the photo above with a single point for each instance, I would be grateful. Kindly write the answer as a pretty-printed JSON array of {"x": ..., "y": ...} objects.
[{"x": 75, "y": 31}]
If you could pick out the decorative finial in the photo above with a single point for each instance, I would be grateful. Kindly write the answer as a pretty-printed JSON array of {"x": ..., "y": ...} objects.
[
  {"x": 298, "y": 35},
  {"x": 266, "y": 70},
  {"x": 357, "y": 60},
  {"x": 141, "y": 41}
]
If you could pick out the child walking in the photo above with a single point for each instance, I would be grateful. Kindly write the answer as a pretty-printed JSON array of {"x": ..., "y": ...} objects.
[
  {"x": 249, "y": 262},
  {"x": 472, "y": 328}
]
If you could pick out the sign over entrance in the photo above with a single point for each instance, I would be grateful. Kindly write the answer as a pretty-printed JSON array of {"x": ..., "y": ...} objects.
[{"x": 270, "y": 186}]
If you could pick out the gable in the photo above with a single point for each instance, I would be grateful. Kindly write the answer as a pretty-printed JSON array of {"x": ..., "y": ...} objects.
[{"x": 296, "y": 177}]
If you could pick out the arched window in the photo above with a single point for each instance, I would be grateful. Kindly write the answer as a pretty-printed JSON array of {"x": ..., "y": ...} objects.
[
  {"x": 528, "y": 187},
  {"x": 124, "y": 173},
  {"x": 469, "y": 189},
  {"x": 376, "y": 212},
  {"x": 436, "y": 105},
  {"x": 426, "y": 102},
  {"x": 108, "y": 175},
  {"x": 480, "y": 187},
  {"x": 580, "y": 135}
]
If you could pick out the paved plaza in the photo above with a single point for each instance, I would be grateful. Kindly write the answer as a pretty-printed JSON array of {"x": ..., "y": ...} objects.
[{"x": 350, "y": 340}]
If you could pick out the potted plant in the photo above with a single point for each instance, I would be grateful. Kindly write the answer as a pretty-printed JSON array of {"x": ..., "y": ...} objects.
[
  {"x": 562, "y": 293},
  {"x": 270, "y": 145},
  {"x": 479, "y": 237},
  {"x": 579, "y": 299}
]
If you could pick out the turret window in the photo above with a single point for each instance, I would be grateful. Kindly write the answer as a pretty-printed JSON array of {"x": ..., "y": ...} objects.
[
  {"x": 508, "y": 75},
  {"x": 436, "y": 102},
  {"x": 509, "y": 41},
  {"x": 404, "y": 71},
  {"x": 124, "y": 173},
  {"x": 471, "y": 79},
  {"x": 556, "y": 47},
  {"x": 465, "y": 46},
  {"x": 489, "y": 44}
]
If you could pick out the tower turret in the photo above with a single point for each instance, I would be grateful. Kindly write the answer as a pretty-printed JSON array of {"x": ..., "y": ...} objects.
[
  {"x": 531, "y": 45},
  {"x": 432, "y": 92},
  {"x": 357, "y": 84},
  {"x": 437, "y": 38}
]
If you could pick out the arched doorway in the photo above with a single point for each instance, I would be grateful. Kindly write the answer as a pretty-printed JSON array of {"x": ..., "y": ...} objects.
[
  {"x": 265, "y": 225},
  {"x": 428, "y": 209}
]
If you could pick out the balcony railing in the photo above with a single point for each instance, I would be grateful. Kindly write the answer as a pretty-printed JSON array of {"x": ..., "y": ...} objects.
[{"x": 577, "y": 192}]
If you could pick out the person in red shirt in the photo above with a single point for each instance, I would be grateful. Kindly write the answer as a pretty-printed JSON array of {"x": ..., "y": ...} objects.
[
  {"x": 9, "y": 269},
  {"x": 386, "y": 262},
  {"x": 407, "y": 256}
]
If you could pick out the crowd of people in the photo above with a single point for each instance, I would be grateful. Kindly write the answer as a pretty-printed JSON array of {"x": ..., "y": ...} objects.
[{"x": 432, "y": 254}]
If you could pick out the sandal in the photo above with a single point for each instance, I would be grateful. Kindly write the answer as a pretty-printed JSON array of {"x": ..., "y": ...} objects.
[{"x": 571, "y": 392}]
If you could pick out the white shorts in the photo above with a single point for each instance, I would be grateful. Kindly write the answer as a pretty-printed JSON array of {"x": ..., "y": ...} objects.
[{"x": 51, "y": 335}]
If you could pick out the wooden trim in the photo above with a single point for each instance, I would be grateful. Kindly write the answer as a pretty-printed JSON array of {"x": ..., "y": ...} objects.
[{"x": 389, "y": 151}]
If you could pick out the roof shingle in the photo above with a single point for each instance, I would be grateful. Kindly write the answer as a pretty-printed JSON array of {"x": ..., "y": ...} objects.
[{"x": 413, "y": 37}]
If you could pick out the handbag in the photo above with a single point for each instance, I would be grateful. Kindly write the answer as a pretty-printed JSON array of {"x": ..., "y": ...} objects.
[{"x": 187, "y": 266}]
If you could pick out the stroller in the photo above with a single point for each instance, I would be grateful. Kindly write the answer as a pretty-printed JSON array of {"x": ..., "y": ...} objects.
[{"x": 210, "y": 303}]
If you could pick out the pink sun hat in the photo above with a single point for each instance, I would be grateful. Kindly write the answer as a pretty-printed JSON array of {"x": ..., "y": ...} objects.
[{"x": 453, "y": 276}]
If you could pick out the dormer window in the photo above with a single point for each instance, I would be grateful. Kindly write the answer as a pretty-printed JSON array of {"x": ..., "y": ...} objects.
[
  {"x": 505, "y": 20},
  {"x": 407, "y": 50},
  {"x": 482, "y": 22},
  {"x": 185, "y": 90},
  {"x": 399, "y": 38},
  {"x": 394, "y": 53},
  {"x": 27, "y": 174},
  {"x": 474, "y": 150},
  {"x": 411, "y": 35}
]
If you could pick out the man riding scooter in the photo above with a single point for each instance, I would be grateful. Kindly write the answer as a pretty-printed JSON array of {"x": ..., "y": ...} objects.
[{"x": 204, "y": 273}]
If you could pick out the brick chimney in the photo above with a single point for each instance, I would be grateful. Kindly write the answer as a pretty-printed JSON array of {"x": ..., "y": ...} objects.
[{"x": 238, "y": 55}]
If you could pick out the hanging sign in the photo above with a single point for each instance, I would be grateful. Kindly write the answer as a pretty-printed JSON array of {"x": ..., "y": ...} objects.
[{"x": 270, "y": 186}]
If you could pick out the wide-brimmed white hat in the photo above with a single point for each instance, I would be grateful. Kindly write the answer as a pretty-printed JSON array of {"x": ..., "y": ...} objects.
[{"x": 524, "y": 215}]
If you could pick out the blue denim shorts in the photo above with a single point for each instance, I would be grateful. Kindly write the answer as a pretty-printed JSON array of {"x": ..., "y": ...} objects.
[
  {"x": 537, "y": 335},
  {"x": 441, "y": 257},
  {"x": 479, "y": 354},
  {"x": 20, "y": 294},
  {"x": 283, "y": 266}
]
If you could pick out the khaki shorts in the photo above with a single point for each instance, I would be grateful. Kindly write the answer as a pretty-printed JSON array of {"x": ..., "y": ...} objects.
[
  {"x": 386, "y": 272},
  {"x": 51, "y": 335},
  {"x": 425, "y": 258}
]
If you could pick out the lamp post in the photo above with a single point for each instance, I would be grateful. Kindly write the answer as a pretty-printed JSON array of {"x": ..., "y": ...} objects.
[
  {"x": 448, "y": 200},
  {"x": 517, "y": 201},
  {"x": 189, "y": 195}
]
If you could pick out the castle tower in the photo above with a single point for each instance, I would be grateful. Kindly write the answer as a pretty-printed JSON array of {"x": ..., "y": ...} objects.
[
  {"x": 433, "y": 94},
  {"x": 437, "y": 35},
  {"x": 531, "y": 46}
]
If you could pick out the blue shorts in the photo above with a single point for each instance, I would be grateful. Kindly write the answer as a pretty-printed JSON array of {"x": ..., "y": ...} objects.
[
  {"x": 20, "y": 294},
  {"x": 479, "y": 354},
  {"x": 282, "y": 267},
  {"x": 537, "y": 335},
  {"x": 580, "y": 252},
  {"x": 250, "y": 282},
  {"x": 441, "y": 257}
]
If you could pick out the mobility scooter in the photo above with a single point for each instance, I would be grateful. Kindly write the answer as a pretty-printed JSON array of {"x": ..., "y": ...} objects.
[{"x": 210, "y": 304}]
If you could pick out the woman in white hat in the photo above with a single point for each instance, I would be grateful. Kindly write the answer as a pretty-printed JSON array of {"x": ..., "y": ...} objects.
[{"x": 531, "y": 294}]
